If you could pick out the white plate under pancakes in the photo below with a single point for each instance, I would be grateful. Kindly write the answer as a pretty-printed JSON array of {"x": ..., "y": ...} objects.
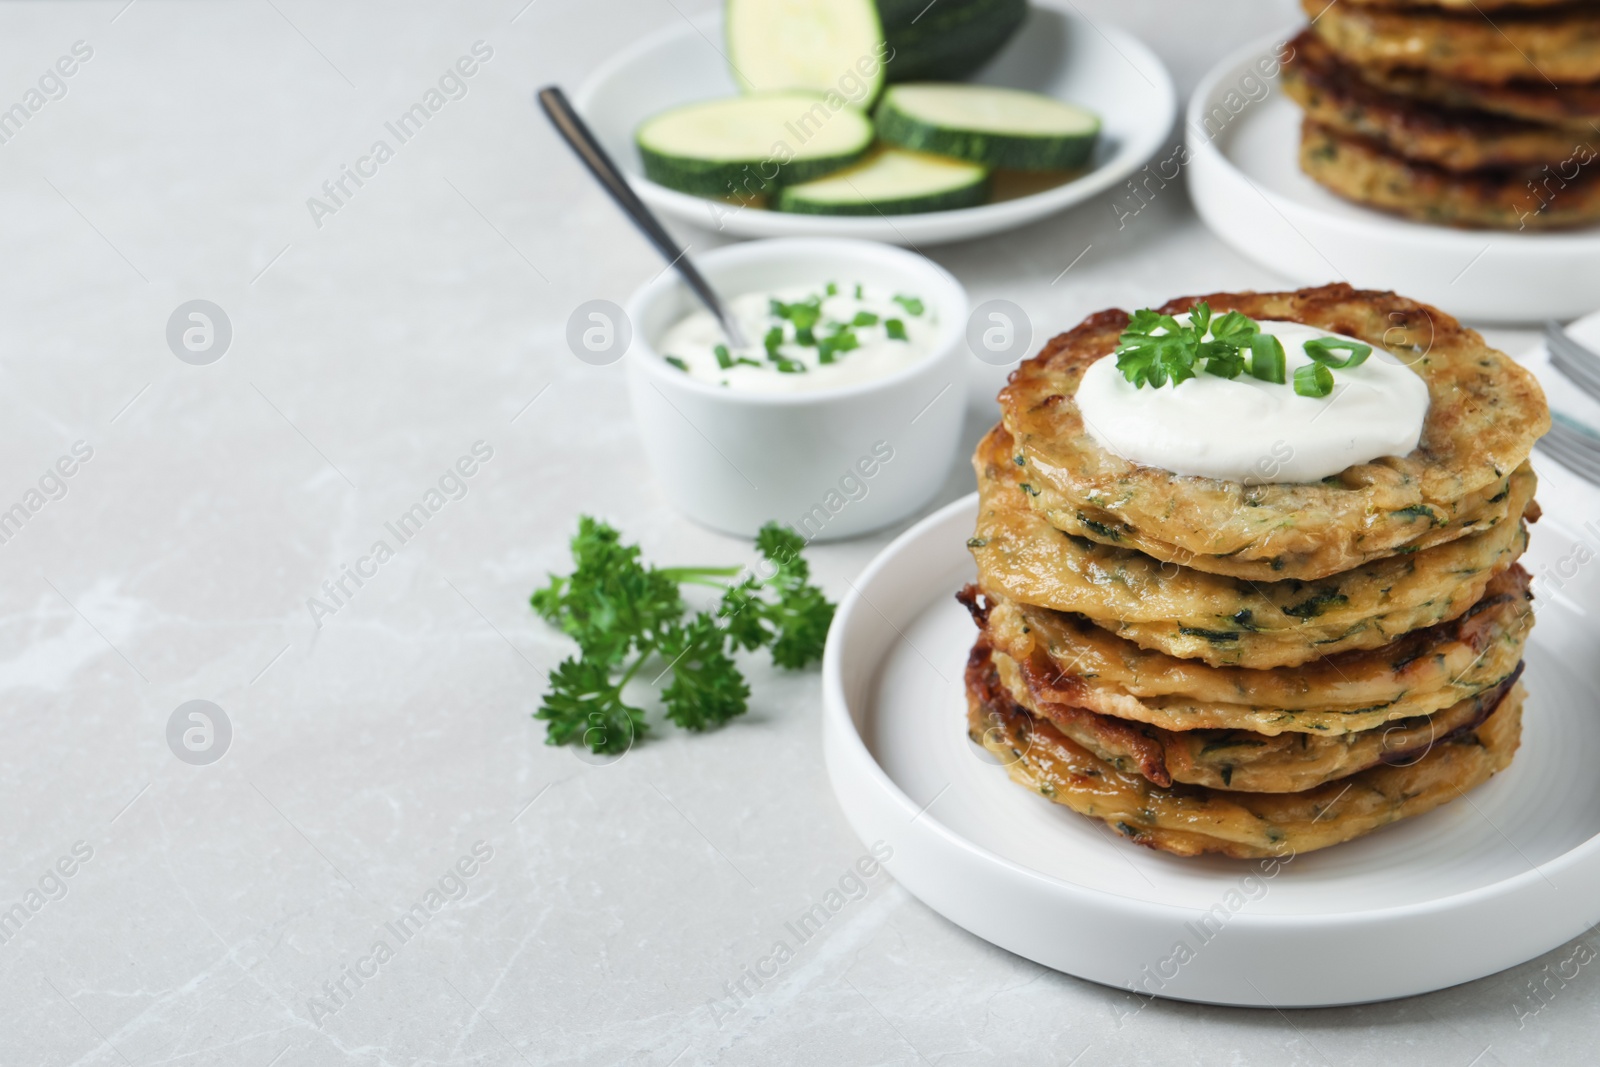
[{"x": 1484, "y": 883}]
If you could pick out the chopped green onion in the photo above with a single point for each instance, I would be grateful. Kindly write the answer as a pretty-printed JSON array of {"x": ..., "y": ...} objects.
[
  {"x": 723, "y": 359},
  {"x": 1266, "y": 358},
  {"x": 1313, "y": 379},
  {"x": 864, "y": 318},
  {"x": 895, "y": 329},
  {"x": 1155, "y": 349},
  {"x": 676, "y": 362},
  {"x": 912, "y": 305},
  {"x": 858, "y": 290},
  {"x": 1321, "y": 349},
  {"x": 833, "y": 290},
  {"x": 803, "y": 314},
  {"x": 746, "y": 362},
  {"x": 840, "y": 340},
  {"x": 771, "y": 341}
]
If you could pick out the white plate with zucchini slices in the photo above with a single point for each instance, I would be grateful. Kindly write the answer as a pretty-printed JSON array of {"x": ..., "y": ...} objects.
[{"x": 1063, "y": 111}]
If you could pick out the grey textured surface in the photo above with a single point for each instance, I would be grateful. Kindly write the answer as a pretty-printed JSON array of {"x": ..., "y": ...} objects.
[{"x": 372, "y": 754}]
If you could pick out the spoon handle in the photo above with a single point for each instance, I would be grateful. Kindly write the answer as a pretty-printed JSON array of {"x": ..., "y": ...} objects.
[{"x": 583, "y": 142}]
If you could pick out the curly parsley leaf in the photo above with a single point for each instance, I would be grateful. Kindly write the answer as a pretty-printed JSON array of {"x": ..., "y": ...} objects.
[
  {"x": 781, "y": 547},
  {"x": 611, "y": 603},
  {"x": 1147, "y": 357},
  {"x": 707, "y": 689},
  {"x": 1222, "y": 359},
  {"x": 1235, "y": 329},
  {"x": 802, "y": 618},
  {"x": 743, "y": 615},
  {"x": 796, "y": 623},
  {"x": 585, "y": 706},
  {"x": 802, "y": 615}
]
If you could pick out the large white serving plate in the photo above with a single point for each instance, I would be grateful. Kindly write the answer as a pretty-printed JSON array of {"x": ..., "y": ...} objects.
[
  {"x": 1247, "y": 185},
  {"x": 1481, "y": 884},
  {"x": 1056, "y": 52}
]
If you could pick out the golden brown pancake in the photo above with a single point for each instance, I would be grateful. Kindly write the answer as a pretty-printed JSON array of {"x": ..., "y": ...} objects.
[
  {"x": 1337, "y": 97},
  {"x": 1221, "y": 620},
  {"x": 1066, "y": 659},
  {"x": 1243, "y": 760},
  {"x": 1466, "y": 5},
  {"x": 1188, "y": 820},
  {"x": 1574, "y": 107},
  {"x": 1556, "y": 45},
  {"x": 1360, "y": 170},
  {"x": 1485, "y": 413}
]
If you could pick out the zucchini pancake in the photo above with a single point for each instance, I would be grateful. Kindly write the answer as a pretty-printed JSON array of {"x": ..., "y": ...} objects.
[
  {"x": 1555, "y": 44},
  {"x": 1484, "y": 414},
  {"x": 1262, "y": 663},
  {"x": 1336, "y": 96},
  {"x": 1442, "y": 114}
]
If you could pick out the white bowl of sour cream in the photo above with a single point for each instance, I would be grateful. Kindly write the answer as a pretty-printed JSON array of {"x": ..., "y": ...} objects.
[{"x": 843, "y": 414}]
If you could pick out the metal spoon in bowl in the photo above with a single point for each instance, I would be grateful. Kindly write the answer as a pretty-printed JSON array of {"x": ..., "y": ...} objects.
[{"x": 583, "y": 142}]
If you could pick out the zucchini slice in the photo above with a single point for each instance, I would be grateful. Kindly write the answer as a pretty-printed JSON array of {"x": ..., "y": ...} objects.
[
  {"x": 747, "y": 145},
  {"x": 825, "y": 46},
  {"x": 1006, "y": 128},
  {"x": 851, "y": 47},
  {"x": 891, "y": 181},
  {"x": 946, "y": 40}
]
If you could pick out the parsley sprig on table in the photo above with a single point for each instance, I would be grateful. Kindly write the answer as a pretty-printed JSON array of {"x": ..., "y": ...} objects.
[
  {"x": 1157, "y": 348},
  {"x": 624, "y": 614}
]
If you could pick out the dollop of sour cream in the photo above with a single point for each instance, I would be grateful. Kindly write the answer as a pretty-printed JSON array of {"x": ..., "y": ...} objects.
[
  {"x": 1248, "y": 430},
  {"x": 875, "y": 333}
]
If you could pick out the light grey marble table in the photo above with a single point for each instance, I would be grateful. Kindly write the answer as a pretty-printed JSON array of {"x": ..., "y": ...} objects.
[{"x": 382, "y": 754}]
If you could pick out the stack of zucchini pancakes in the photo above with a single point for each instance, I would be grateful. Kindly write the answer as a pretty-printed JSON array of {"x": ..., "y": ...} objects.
[
  {"x": 1475, "y": 113},
  {"x": 1256, "y": 669}
]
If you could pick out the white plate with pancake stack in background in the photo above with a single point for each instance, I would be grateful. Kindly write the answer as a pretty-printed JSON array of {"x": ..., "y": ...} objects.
[{"x": 1488, "y": 254}]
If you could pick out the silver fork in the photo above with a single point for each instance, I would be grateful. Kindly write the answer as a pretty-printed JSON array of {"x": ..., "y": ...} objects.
[
  {"x": 1575, "y": 448},
  {"x": 1569, "y": 442},
  {"x": 1572, "y": 359}
]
